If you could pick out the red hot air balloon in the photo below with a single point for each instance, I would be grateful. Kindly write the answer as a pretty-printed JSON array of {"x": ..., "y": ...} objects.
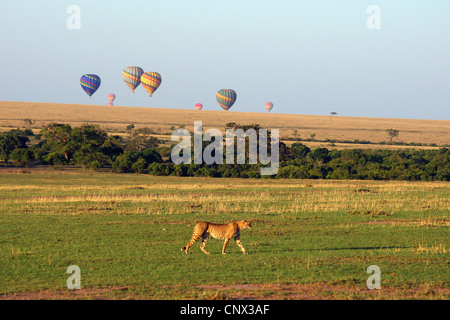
[
  {"x": 111, "y": 98},
  {"x": 269, "y": 106},
  {"x": 198, "y": 106}
]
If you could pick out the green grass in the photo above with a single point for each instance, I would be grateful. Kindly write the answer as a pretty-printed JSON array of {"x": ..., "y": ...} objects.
[{"x": 125, "y": 232}]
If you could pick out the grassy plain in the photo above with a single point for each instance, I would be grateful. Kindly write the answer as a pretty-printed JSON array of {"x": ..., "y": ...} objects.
[
  {"x": 116, "y": 119},
  {"x": 310, "y": 240}
]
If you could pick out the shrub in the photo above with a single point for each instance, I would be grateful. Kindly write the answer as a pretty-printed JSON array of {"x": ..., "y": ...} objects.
[{"x": 22, "y": 157}]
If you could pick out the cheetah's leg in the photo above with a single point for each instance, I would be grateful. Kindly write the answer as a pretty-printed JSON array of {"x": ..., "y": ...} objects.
[
  {"x": 225, "y": 245},
  {"x": 202, "y": 246},
  {"x": 238, "y": 242},
  {"x": 186, "y": 249},
  {"x": 194, "y": 239}
]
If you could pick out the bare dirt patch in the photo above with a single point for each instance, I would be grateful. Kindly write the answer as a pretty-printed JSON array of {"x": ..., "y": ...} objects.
[
  {"x": 82, "y": 294},
  {"x": 319, "y": 291},
  {"x": 268, "y": 291}
]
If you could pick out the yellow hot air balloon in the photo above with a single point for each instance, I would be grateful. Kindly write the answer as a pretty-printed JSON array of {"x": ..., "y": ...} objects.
[{"x": 151, "y": 81}]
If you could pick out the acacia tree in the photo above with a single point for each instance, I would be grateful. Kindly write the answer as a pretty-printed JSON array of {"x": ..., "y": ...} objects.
[
  {"x": 89, "y": 140},
  {"x": 57, "y": 136},
  {"x": 392, "y": 133},
  {"x": 81, "y": 145},
  {"x": 141, "y": 139},
  {"x": 332, "y": 114},
  {"x": 28, "y": 122},
  {"x": 10, "y": 141}
]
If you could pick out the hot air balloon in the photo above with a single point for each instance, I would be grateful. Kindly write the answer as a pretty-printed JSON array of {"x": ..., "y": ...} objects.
[
  {"x": 226, "y": 98},
  {"x": 198, "y": 106},
  {"x": 269, "y": 106},
  {"x": 90, "y": 83},
  {"x": 151, "y": 81},
  {"x": 132, "y": 77},
  {"x": 111, "y": 98}
]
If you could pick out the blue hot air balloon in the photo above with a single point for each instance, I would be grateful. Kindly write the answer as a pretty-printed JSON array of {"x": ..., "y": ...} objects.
[{"x": 90, "y": 83}]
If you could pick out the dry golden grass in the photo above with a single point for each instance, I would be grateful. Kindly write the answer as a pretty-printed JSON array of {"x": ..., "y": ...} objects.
[
  {"x": 435, "y": 249},
  {"x": 116, "y": 119},
  {"x": 370, "y": 198}
]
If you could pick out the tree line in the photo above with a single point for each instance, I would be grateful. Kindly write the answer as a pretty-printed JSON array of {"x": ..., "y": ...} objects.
[{"x": 90, "y": 147}]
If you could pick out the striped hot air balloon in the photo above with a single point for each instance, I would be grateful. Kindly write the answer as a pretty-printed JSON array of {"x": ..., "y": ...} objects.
[
  {"x": 198, "y": 106},
  {"x": 268, "y": 106},
  {"x": 226, "y": 98},
  {"x": 90, "y": 83},
  {"x": 151, "y": 81},
  {"x": 132, "y": 77}
]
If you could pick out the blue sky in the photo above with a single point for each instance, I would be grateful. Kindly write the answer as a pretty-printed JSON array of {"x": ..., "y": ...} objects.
[{"x": 307, "y": 57}]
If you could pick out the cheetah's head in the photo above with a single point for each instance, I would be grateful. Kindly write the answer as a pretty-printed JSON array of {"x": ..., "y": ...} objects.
[{"x": 245, "y": 224}]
